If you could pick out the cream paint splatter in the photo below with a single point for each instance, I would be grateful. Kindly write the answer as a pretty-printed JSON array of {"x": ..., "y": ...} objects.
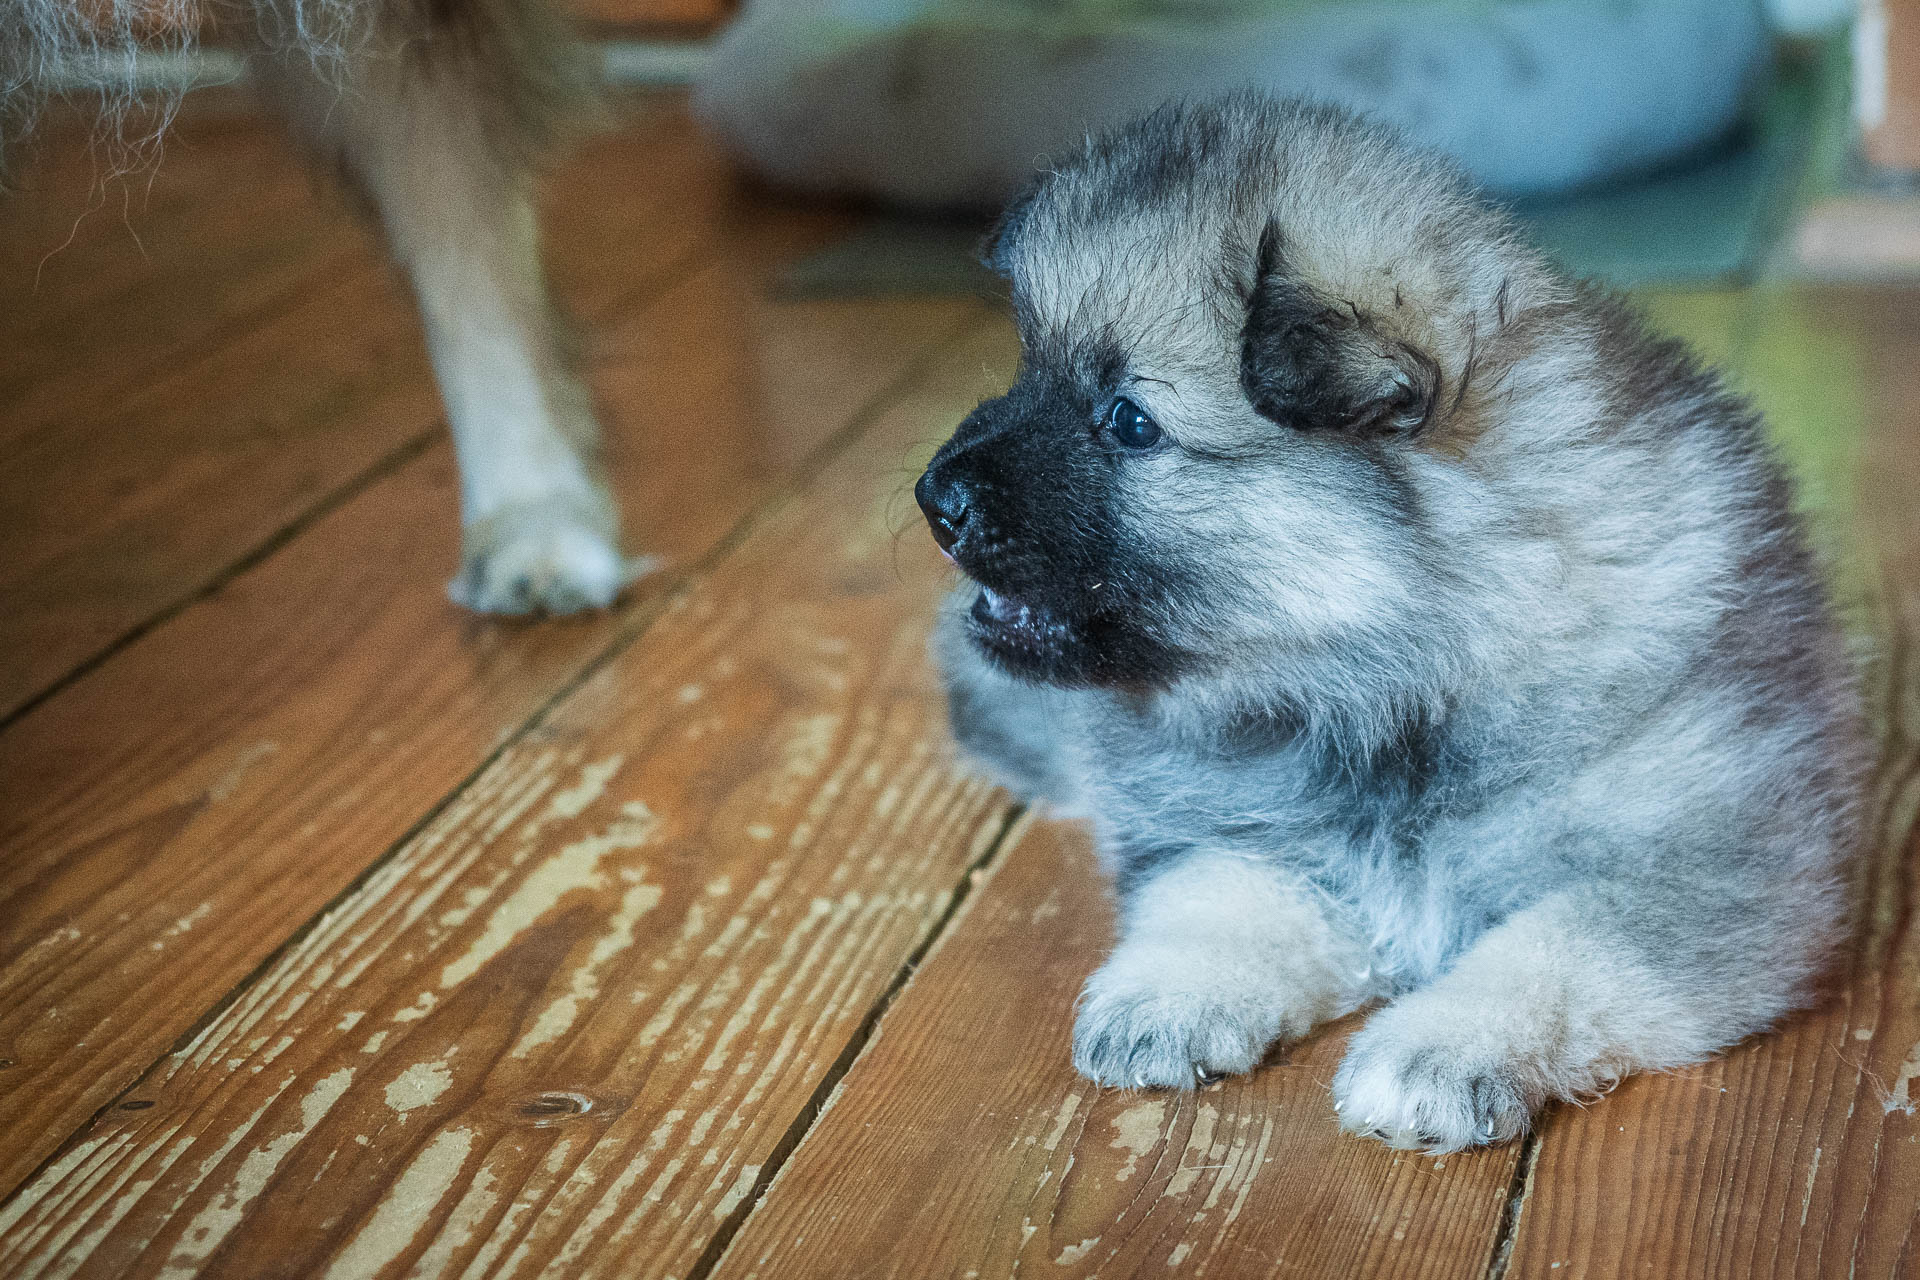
[
  {"x": 64, "y": 934},
  {"x": 128, "y": 1191},
  {"x": 586, "y": 1178},
  {"x": 420, "y": 1008},
  {"x": 229, "y": 782},
  {"x": 187, "y": 921},
  {"x": 573, "y": 801},
  {"x": 1246, "y": 1173},
  {"x": 462, "y": 1225},
  {"x": 419, "y": 1085},
  {"x": 557, "y": 1018},
  {"x": 1137, "y": 1132},
  {"x": 576, "y": 866},
  {"x": 1900, "y": 1097},
  {"x": 1074, "y": 1252},
  {"x": 803, "y": 754},
  {"x": 1201, "y": 1138},
  {"x": 742, "y": 1185},
  {"x": 224, "y": 1211},
  {"x": 405, "y": 1208},
  {"x": 1062, "y": 1118},
  {"x": 15, "y": 1211}
]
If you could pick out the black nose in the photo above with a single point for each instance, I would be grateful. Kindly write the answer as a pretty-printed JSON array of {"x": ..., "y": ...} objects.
[{"x": 944, "y": 502}]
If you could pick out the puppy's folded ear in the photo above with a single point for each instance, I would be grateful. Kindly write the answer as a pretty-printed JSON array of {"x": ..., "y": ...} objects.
[{"x": 1314, "y": 364}]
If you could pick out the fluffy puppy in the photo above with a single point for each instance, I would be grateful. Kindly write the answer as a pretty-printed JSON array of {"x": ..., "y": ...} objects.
[{"x": 1410, "y": 622}]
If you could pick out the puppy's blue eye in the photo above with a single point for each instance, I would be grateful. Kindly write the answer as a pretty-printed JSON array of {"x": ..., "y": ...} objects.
[{"x": 1130, "y": 426}]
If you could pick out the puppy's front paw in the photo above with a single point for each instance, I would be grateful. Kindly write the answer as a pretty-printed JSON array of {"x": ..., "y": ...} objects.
[
  {"x": 1164, "y": 1021},
  {"x": 1419, "y": 1081},
  {"x": 553, "y": 557}
]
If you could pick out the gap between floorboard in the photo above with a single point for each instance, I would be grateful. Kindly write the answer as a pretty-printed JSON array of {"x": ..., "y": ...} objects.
[
  {"x": 248, "y": 559},
  {"x": 1518, "y": 1191},
  {"x": 1003, "y": 840},
  {"x": 643, "y": 294}
]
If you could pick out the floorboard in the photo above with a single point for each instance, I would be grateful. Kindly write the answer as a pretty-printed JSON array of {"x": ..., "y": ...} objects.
[{"x": 137, "y": 269}]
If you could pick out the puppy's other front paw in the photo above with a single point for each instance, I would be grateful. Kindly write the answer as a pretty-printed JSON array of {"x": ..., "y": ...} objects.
[
  {"x": 1420, "y": 1082},
  {"x": 1146, "y": 1025},
  {"x": 551, "y": 557}
]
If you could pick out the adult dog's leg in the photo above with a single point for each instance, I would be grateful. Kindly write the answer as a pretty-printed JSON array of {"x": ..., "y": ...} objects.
[{"x": 435, "y": 113}]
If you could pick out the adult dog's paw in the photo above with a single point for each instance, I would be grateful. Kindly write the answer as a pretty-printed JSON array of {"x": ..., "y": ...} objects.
[
  {"x": 1164, "y": 1021},
  {"x": 1418, "y": 1080},
  {"x": 551, "y": 557}
]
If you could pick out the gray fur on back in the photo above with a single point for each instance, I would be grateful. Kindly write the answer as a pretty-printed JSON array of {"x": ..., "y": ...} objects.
[{"x": 1559, "y": 641}]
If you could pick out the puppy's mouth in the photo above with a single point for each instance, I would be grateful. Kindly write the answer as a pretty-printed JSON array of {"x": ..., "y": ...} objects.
[
  {"x": 1018, "y": 628},
  {"x": 1065, "y": 646}
]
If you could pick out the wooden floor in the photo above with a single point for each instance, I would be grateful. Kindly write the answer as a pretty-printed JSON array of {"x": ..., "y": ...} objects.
[{"x": 345, "y": 935}]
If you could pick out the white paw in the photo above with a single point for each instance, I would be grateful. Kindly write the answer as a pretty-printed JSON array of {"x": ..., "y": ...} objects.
[
  {"x": 551, "y": 557},
  {"x": 1166, "y": 1019},
  {"x": 1421, "y": 1078}
]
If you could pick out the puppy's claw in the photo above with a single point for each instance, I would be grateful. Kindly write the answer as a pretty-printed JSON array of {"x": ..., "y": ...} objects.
[
  {"x": 1413, "y": 1089},
  {"x": 1145, "y": 1040}
]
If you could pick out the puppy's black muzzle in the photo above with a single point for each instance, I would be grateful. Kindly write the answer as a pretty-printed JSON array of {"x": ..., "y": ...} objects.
[{"x": 1019, "y": 500}]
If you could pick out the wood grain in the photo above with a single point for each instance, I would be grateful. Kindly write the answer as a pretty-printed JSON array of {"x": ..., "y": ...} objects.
[
  {"x": 570, "y": 1023},
  {"x": 219, "y": 435},
  {"x": 161, "y": 493},
  {"x": 105, "y": 282},
  {"x": 168, "y": 819},
  {"x": 962, "y": 1143},
  {"x": 1798, "y": 1153}
]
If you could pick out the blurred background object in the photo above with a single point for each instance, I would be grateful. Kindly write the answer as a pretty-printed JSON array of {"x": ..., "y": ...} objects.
[
  {"x": 1862, "y": 220},
  {"x": 1644, "y": 141},
  {"x": 1886, "y": 51},
  {"x": 951, "y": 102}
]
